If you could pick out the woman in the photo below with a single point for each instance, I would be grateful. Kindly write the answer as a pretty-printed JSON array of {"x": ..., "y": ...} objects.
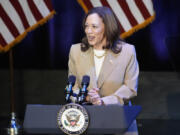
[{"x": 110, "y": 63}]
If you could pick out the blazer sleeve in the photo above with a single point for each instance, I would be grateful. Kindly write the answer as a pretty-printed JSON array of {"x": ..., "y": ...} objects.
[
  {"x": 129, "y": 88},
  {"x": 72, "y": 67}
]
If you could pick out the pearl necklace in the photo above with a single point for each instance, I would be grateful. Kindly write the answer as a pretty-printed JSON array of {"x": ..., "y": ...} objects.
[{"x": 99, "y": 57}]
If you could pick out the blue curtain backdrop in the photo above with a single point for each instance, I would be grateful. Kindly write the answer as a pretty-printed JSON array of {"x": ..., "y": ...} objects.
[{"x": 47, "y": 47}]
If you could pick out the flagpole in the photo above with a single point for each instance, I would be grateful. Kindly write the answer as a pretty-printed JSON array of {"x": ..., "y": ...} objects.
[
  {"x": 14, "y": 127},
  {"x": 12, "y": 80}
]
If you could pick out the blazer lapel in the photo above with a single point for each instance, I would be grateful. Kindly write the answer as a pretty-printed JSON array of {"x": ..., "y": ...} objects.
[
  {"x": 107, "y": 67},
  {"x": 89, "y": 57}
]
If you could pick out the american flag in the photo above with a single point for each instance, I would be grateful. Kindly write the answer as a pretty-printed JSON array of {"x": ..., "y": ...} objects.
[
  {"x": 17, "y": 17},
  {"x": 132, "y": 14}
]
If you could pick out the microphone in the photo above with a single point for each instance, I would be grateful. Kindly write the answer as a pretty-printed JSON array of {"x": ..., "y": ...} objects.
[
  {"x": 83, "y": 90},
  {"x": 68, "y": 90}
]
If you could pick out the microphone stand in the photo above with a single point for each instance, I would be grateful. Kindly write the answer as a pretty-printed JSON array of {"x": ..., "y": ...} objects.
[{"x": 82, "y": 98}]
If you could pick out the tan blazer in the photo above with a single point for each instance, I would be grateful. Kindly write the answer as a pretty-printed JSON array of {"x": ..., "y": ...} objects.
[{"x": 118, "y": 77}]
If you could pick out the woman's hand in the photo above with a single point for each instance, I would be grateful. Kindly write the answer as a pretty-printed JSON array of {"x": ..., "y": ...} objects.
[{"x": 94, "y": 97}]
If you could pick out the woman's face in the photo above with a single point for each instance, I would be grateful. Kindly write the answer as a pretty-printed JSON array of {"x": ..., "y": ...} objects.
[{"x": 94, "y": 29}]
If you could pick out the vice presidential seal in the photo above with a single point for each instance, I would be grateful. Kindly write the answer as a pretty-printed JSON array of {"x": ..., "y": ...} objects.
[{"x": 73, "y": 119}]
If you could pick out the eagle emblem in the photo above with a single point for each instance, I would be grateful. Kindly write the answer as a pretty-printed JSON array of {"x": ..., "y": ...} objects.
[{"x": 72, "y": 119}]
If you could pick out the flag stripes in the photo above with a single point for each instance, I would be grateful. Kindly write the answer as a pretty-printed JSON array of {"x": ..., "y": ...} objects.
[
  {"x": 97, "y": 3},
  {"x": 105, "y": 3},
  {"x": 132, "y": 14},
  {"x": 8, "y": 37},
  {"x": 127, "y": 12},
  {"x": 17, "y": 17},
  {"x": 37, "y": 15},
  {"x": 20, "y": 12},
  {"x": 135, "y": 11},
  {"x": 143, "y": 9},
  {"x": 48, "y": 4},
  {"x": 88, "y": 4},
  {"x": 3, "y": 42},
  {"x": 8, "y": 22}
]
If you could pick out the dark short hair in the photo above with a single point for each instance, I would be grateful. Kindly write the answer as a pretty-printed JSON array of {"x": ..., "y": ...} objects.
[{"x": 112, "y": 30}]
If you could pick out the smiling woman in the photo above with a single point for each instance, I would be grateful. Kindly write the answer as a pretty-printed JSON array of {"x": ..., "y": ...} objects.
[
  {"x": 110, "y": 63},
  {"x": 101, "y": 28},
  {"x": 94, "y": 29}
]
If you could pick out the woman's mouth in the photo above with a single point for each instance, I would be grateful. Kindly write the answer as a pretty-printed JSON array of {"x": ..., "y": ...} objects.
[{"x": 91, "y": 38}]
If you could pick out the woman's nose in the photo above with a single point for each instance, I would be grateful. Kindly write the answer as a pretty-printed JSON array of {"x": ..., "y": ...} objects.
[{"x": 88, "y": 30}]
